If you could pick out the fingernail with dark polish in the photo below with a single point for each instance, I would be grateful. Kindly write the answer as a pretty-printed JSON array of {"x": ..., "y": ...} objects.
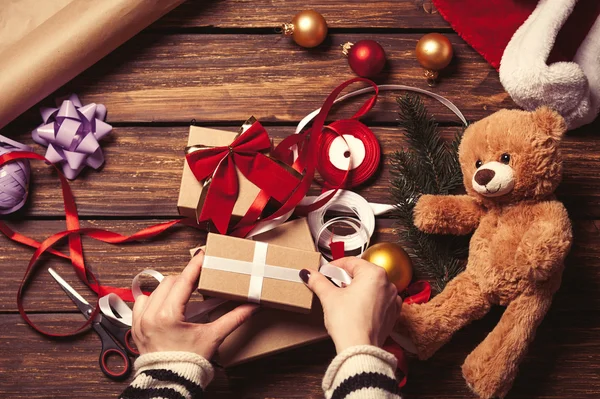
[
  {"x": 304, "y": 275},
  {"x": 198, "y": 251}
]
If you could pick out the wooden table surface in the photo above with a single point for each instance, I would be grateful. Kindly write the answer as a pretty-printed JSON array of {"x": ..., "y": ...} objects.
[{"x": 219, "y": 62}]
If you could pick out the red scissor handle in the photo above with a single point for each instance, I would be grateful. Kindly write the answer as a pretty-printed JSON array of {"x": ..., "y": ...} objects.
[
  {"x": 115, "y": 375},
  {"x": 110, "y": 347},
  {"x": 127, "y": 342}
]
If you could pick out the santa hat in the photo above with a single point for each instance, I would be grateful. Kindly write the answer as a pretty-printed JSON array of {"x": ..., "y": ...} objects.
[{"x": 547, "y": 52}]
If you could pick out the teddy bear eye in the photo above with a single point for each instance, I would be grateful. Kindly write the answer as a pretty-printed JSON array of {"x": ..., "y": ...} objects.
[
  {"x": 478, "y": 163},
  {"x": 505, "y": 158}
]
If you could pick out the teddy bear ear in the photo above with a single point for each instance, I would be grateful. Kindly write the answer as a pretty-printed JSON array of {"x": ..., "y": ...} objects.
[{"x": 550, "y": 122}]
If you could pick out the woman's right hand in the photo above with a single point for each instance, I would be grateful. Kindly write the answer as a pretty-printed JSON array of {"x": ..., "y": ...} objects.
[{"x": 364, "y": 312}]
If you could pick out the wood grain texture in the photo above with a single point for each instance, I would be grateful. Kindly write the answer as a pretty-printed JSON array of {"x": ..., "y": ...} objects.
[
  {"x": 227, "y": 77},
  {"x": 219, "y": 62},
  {"x": 143, "y": 173},
  {"x": 412, "y": 14}
]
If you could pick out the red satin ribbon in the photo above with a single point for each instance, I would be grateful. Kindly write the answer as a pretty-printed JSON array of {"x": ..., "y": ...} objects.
[
  {"x": 392, "y": 347},
  {"x": 245, "y": 155},
  {"x": 418, "y": 292},
  {"x": 337, "y": 249}
]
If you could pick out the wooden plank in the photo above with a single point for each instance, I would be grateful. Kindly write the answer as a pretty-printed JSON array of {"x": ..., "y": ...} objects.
[
  {"x": 419, "y": 14},
  {"x": 143, "y": 171},
  {"x": 562, "y": 363},
  {"x": 117, "y": 265},
  {"x": 217, "y": 78}
]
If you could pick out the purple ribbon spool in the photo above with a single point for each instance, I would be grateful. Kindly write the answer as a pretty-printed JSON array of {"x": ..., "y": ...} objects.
[
  {"x": 14, "y": 178},
  {"x": 71, "y": 133}
]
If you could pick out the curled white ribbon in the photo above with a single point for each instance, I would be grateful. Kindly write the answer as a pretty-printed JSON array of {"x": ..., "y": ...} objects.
[
  {"x": 363, "y": 221},
  {"x": 443, "y": 100},
  {"x": 110, "y": 303},
  {"x": 336, "y": 274}
]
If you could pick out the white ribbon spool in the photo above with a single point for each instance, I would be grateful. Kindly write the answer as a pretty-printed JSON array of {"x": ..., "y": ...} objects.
[
  {"x": 341, "y": 145},
  {"x": 344, "y": 201}
]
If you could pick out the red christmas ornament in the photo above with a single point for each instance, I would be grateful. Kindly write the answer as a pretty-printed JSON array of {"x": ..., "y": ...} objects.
[{"x": 366, "y": 57}]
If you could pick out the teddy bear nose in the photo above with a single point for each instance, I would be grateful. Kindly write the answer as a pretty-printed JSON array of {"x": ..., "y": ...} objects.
[{"x": 484, "y": 176}]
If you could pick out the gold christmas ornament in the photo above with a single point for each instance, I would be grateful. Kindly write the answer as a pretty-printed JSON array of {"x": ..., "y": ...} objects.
[
  {"x": 434, "y": 53},
  {"x": 308, "y": 28},
  {"x": 394, "y": 260}
]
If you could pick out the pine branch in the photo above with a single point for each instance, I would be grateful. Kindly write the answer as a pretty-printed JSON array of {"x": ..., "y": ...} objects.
[{"x": 428, "y": 166}]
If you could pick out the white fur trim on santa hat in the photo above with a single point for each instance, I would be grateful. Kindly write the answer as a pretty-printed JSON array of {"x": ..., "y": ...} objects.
[
  {"x": 588, "y": 58},
  {"x": 564, "y": 86}
]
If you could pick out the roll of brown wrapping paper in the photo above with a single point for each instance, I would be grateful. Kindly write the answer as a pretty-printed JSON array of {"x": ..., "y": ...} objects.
[
  {"x": 19, "y": 17},
  {"x": 75, "y": 35}
]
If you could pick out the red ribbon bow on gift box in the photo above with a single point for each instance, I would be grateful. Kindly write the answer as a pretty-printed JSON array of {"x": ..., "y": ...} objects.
[{"x": 246, "y": 155}]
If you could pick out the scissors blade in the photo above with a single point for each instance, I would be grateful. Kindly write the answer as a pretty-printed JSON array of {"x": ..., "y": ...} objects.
[{"x": 81, "y": 303}]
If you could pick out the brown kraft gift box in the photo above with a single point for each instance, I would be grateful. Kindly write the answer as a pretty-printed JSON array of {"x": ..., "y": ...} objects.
[
  {"x": 272, "y": 331},
  {"x": 291, "y": 234},
  {"x": 223, "y": 252},
  {"x": 192, "y": 192}
]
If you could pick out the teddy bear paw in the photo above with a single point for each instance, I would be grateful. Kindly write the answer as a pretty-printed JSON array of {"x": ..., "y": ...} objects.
[
  {"x": 483, "y": 382},
  {"x": 424, "y": 216}
]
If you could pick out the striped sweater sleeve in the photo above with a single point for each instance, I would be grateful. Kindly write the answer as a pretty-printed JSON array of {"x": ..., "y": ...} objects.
[
  {"x": 362, "y": 372},
  {"x": 170, "y": 375}
]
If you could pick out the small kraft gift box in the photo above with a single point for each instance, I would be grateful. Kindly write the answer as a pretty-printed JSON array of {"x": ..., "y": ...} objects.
[
  {"x": 272, "y": 331},
  {"x": 230, "y": 176},
  {"x": 193, "y": 192},
  {"x": 255, "y": 271}
]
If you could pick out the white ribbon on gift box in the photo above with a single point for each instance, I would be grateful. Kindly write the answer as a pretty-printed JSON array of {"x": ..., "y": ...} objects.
[{"x": 258, "y": 270}]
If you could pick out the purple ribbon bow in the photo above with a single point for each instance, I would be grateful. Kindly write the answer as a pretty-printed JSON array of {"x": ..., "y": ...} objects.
[{"x": 71, "y": 133}]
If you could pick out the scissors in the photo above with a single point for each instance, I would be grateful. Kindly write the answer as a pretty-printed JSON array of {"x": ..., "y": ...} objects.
[{"x": 115, "y": 339}]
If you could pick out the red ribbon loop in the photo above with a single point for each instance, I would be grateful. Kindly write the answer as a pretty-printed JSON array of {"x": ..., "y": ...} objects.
[
  {"x": 75, "y": 246},
  {"x": 418, "y": 292}
]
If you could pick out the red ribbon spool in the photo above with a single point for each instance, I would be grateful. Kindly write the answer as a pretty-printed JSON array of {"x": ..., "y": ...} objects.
[{"x": 333, "y": 176}]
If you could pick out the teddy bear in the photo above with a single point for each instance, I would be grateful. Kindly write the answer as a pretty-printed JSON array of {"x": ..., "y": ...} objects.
[{"x": 511, "y": 165}]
